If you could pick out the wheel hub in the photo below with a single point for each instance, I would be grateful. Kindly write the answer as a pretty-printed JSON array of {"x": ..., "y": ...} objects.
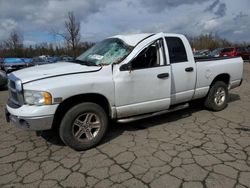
[
  {"x": 86, "y": 126},
  {"x": 220, "y": 96}
]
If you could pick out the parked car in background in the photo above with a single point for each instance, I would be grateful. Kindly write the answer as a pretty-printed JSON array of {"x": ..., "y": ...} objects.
[
  {"x": 242, "y": 52},
  {"x": 39, "y": 61},
  {"x": 215, "y": 53},
  {"x": 248, "y": 49},
  {"x": 3, "y": 79},
  {"x": 67, "y": 58},
  {"x": 3, "y": 76},
  {"x": 42, "y": 60},
  {"x": 1, "y": 63},
  {"x": 45, "y": 59},
  {"x": 53, "y": 59},
  {"x": 201, "y": 53},
  {"x": 13, "y": 64}
]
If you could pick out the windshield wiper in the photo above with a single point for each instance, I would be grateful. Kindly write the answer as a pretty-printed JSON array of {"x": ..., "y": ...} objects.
[{"x": 87, "y": 63}]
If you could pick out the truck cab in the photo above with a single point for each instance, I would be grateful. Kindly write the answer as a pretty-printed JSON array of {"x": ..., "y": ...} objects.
[{"x": 153, "y": 63}]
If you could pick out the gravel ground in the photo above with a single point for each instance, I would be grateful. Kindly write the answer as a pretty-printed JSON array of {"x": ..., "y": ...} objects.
[{"x": 189, "y": 148}]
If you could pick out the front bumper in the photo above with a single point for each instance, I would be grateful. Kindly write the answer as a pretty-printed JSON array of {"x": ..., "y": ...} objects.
[{"x": 30, "y": 123}]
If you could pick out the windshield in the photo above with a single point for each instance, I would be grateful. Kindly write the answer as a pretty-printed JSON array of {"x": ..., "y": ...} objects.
[{"x": 109, "y": 51}]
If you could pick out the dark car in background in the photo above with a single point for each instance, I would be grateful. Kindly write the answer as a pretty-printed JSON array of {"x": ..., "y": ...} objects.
[
  {"x": 3, "y": 76},
  {"x": 44, "y": 59},
  {"x": 9, "y": 65},
  {"x": 39, "y": 61},
  {"x": 236, "y": 52},
  {"x": 67, "y": 58},
  {"x": 3, "y": 79}
]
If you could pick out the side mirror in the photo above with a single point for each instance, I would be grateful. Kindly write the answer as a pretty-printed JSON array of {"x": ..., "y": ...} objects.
[{"x": 126, "y": 67}]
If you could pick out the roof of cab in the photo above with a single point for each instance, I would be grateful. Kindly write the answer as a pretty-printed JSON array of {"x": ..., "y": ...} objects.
[{"x": 132, "y": 39}]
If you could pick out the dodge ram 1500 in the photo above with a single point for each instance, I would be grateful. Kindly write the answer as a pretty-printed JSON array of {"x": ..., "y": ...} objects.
[{"x": 124, "y": 77}]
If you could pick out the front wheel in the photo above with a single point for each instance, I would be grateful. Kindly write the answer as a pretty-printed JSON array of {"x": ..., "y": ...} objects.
[
  {"x": 217, "y": 97},
  {"x": 83, "y": 126}
]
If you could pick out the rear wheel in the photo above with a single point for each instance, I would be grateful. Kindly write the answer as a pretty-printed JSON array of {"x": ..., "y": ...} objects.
[
  {"x": 83, "y": 126},
  {"x": 217, "y": 97}
]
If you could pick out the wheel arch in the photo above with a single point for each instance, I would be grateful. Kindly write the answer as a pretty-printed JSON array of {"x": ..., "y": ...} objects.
[
  {"x": 76, "y": 99},
  {"x": 224, "y": 77}
]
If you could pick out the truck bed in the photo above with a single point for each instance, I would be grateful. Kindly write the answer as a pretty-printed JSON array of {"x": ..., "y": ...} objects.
[{"x": 209, "y": 68}]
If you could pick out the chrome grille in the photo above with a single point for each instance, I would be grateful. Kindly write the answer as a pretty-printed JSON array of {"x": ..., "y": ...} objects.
[{"x": 15, "y": 95}]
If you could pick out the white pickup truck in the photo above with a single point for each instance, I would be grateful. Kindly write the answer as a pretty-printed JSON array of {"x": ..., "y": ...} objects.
[{"x": 125, "y": 77}]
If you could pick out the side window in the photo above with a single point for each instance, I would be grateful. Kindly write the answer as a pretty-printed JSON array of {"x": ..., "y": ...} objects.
[
  {"x": 177, "y": 51},
  {"x": 151, "y": 56}
]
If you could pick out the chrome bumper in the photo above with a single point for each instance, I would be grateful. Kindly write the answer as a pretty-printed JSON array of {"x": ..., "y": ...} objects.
[{"x": 30, "y": 123}]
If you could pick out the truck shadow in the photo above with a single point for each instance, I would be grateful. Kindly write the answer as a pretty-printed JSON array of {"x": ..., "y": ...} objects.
[
  {"x": 233, "y": 97},
  {"x": 117, "y": 129}
]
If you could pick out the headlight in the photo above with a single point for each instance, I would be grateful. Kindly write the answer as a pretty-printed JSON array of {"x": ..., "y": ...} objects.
[
  {"x": 37, "y": 97},
  {"x": 18, "y": 85}
]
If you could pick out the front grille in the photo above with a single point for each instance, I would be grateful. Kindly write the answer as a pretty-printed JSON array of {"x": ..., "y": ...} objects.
[{"x": 15, "y": 95}]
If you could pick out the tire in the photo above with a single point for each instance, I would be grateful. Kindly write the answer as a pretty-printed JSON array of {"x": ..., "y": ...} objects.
[
  {"x": 83, "y": 126},
  {"x": 217, "y": 97}
]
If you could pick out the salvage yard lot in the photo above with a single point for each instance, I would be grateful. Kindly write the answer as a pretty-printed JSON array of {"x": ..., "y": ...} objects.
[{"x": 189, "y": 148}]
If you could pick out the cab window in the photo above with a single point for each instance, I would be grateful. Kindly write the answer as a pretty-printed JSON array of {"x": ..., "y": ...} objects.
[{"x": 177, "y": 51}]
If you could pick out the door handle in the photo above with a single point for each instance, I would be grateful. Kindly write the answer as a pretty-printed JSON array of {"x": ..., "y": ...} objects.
[
  {"x": 163, "y": 75},
  {"x": 189, "y": 69}
]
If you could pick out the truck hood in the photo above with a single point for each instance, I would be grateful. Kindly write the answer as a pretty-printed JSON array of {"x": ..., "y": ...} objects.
[{"x": 51, "y": 70}]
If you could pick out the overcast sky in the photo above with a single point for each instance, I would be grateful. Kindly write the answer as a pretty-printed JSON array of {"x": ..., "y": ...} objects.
[{"x": 35, "y": 19}]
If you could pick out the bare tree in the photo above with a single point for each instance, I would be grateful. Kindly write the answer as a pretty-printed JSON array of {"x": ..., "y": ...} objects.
[
  {"x": 72, "y": 35},
  {"x": 14, "y": 44},
  {"x": 15, "y": 40}
]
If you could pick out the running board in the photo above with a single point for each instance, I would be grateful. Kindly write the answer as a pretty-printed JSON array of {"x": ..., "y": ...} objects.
[{"x": 139, "y": 117}]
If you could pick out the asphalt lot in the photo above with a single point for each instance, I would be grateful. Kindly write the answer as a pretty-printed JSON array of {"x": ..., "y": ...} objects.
[{"x": 189, "y": 148}]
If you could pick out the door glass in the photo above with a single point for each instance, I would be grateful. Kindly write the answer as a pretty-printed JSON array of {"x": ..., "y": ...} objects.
[{"x": 149, "y": 57}]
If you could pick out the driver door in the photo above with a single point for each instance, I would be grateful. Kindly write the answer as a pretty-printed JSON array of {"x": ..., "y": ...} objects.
[{"x": 146, "y": 87}]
